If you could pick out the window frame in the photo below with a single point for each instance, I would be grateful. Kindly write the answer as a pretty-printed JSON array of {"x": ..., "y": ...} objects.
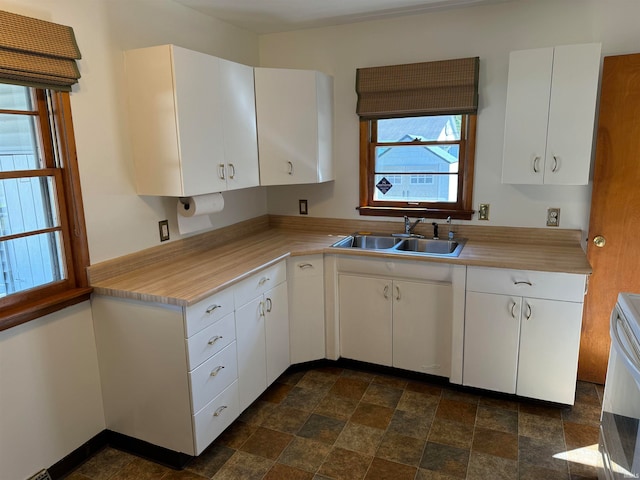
[
  {"x": 461, "y": 210},
  {"x": 57, "y": 144}
]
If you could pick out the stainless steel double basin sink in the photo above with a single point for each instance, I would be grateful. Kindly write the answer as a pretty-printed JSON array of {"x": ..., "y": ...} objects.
[{"x": 432, "y": 247}]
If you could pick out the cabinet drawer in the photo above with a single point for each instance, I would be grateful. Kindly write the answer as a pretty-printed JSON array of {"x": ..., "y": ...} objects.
[
  {"x": 208, "y": 311},
  {"x": 211, "y": 340},
  {"x": 257, "y": 284},
  {"x": 307, "y": 266},
  {"x": 527, "y": 283},
  {"x": 213, "y": 376},
  {"x": 217, "y": 415}
]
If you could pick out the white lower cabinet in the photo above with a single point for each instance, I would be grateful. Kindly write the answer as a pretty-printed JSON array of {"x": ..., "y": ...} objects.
[
  {"x": 305, "y": 277},
  {"x": 176, "y": 377},
  {"x": 522, "y": 332},
  {"x": 262, "y": 331},
  {"x": 404, "y": 323}
]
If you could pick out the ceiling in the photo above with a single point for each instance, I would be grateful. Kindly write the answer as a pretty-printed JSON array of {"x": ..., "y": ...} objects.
[{"x": 270, "y": 16}]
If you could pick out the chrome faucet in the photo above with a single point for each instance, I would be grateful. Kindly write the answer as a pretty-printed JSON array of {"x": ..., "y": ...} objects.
[{"x": 408, "y": 226}]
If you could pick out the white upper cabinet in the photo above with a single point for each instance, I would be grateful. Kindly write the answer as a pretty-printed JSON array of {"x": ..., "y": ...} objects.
[
  {"x": 192, "y": 122},
  {"x": 294, "y": 111},
  {"x": 551, "y": 102}
]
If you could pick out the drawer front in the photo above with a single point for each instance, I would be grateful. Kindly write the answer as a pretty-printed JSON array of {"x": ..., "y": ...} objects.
[
  {"x": 217, "y": 415},
  {"x": 306, "y": 266},
  {"x": 213, "y": 376},
  {"x": 257, "y": 284},
  {"x": 208, "y": 311},
  {"x": 211, "y": 340},
  {"x": 527, "y": 283}
]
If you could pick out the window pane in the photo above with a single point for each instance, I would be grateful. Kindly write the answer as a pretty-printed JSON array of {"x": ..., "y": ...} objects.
[
  {"x": 30, "y": 262},
  {"x": 18, "y": 143},
  {"x": 27, "y": 204},
  {"x": 428, "y": 129},
  {"x": 15, "y": 97},
  {"x": 416, "y": 188},
  {"x": 417, "y": 159}
]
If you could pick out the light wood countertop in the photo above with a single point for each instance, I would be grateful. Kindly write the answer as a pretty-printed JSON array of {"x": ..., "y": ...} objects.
[{"x": 183, "y": 276}]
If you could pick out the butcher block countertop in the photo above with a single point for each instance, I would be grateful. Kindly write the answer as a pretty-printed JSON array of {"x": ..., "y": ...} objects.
[{"x": 188, "y": 270}]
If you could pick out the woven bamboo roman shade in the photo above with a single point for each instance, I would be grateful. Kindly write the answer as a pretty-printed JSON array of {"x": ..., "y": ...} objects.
[
  {"x": 37, "y": 53},
  {"x": 445, "y": 87}
]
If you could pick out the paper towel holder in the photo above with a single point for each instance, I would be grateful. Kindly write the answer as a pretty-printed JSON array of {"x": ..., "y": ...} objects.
[{"x": 185, "y": 202}]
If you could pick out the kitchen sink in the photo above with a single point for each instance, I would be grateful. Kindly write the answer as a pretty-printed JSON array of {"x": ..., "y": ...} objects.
[
  {"x": 368, "y": 242},
  {"x": 430, "y": 245},
  {"x": 403, "y": 245}
]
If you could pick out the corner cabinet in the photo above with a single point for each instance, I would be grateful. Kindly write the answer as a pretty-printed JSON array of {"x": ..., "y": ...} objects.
[
  {"x": 294, "y": 110},
  {"x": 549, "y": 123},
  {"x": 176, "y": 377},
  {"x": 522, "y": 332},
  {"x": 192, "y": 122}
]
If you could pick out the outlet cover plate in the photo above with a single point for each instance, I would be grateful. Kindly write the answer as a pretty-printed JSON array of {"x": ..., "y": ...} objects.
[
  {"x": 553, "y": 217},
  {"x": 163, "y": 227},
  {"x": 303, "y": 207},
  {"x": 483, "y": 211}
]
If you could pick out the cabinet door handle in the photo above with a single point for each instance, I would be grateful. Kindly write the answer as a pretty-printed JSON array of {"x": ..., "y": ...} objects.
[
  {"x": 555, "y": 164},
  {"x": 216, "y": 370},
  {"x": 523, "y": 282},
  {"x": 302, "y": 266},
  {"x": 290, "y": 168},
  {"x": 233, "y": 171},
  {"x": 214, "y": 339},
  {"x": 385, "y": 292},
  {"x": 211, "y": 308},
  {"x": 536, "y": 160},
  {"x": 269, "y": 305},
  {"x": 221, "y": 171},
  {"x": 261, "y": 309},
  {"x": 513, "y": 308},
  {"x": 263, "y": 280},
  {"x": 529, "y": 312},
  {"x": 398, "y": 293},
  {"x": 219, "y": 411}
]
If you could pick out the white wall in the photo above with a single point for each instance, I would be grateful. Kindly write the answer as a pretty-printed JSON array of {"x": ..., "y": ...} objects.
[
  {"x": 50, "y": 398},
  {"x": 489, "y": 32}
]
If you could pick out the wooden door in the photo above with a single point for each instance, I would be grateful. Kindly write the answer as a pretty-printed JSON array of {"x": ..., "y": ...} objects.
[{"x": 615, "y": 210}]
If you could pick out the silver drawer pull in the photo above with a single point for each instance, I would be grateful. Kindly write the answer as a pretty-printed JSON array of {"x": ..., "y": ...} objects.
[
  {"x": 216, "y": 370},
  {"x": 523, "y": 282},
  {"x": 263, "y": 280},
  {"x": 215, "y": 339},
  {"x": 305, "y": 265},
  {"x": 529, "y": 312},
  {"x": 513, "y": 313},
  {"x": 219, "y": 411},
  {"x": 212, "y": 308},
  {"x": 535, "y": 164},
  {"x": 269, "y": 304}
]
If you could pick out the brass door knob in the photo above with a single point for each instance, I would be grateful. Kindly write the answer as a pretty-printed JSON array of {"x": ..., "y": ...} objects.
[{"x": 599, "y": 241}]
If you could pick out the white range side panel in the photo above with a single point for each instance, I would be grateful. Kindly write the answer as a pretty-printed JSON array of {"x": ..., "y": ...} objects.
[
  {"x": 527, "y": 113},
  {"x": 572, "y": 114},
  {"x": 239, "y": 124}
]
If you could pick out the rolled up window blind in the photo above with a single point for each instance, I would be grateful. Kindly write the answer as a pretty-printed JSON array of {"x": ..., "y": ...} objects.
[
  {"x": 37, "y": 53},
  {"x": 446, "y": 87}
]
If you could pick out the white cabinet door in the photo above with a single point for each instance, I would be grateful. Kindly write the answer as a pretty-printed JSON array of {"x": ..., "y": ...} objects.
[
  {"x": 525, "y": 131},
  {"x": 276, "y": 331},
  {"x": 550, "y": 112},
  {"x": 294, "y": 111},
  {"x": 250, "y": 342},
  {"x": 365, "y": 306},
  {"x": 572, "y": 114},
  {"x": 240, "y": 134},
  {"x": 306, "y": 308},
  {"x": 549, "y": 344},
  {"x": 422, "y": 315},
  {"x": 492, "y": 332}
]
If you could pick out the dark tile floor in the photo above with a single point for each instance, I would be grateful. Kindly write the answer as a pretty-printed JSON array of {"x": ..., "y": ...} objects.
[{"x": 343, "y": 424}]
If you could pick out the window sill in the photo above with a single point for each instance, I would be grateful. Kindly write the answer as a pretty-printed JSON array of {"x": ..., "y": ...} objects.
[
  {"x": 30, "y": 311},
  {"x": 416, "y": 212}
]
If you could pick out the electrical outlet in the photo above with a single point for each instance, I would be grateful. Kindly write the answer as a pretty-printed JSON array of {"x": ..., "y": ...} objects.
[
  {"x": 163, "y": 227},
  {"x": 483, "y": 211},
  {"x": 302, "y": 207},
  {"x": 553, "y": 217}
]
